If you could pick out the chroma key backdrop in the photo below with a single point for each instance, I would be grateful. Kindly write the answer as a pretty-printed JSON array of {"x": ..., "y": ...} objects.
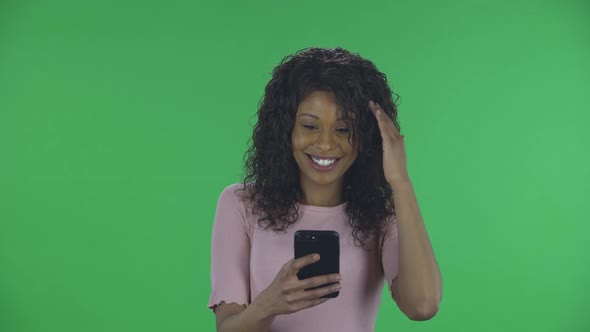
[{"x": 122, "y": 121}]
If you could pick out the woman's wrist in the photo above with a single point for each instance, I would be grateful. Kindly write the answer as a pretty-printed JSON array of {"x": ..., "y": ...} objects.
[
  {"x": 261, "y": 311},
  {"x": 253, "y": 318}
]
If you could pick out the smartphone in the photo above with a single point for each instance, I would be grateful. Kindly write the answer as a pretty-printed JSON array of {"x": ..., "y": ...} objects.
[{"x": 324, "y": 243}]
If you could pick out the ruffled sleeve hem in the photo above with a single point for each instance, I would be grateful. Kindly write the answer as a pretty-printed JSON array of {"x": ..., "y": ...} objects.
[{"x": 213, "y": 303}]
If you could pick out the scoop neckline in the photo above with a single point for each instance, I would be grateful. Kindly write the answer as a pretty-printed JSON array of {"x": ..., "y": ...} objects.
[{"x": 322, "y": 208}]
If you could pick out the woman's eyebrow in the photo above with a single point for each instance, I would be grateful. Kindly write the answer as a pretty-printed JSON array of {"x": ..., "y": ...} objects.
[{"x": 315, "y": 116}]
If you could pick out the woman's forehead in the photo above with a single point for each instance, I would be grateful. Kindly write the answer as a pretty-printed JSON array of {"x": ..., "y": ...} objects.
[{"x": 320, "y": 113}]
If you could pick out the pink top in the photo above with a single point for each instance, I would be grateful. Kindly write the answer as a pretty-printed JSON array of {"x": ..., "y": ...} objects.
[{"x": 245, "y": 259}]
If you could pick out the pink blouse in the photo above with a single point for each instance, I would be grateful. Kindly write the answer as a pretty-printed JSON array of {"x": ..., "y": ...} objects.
[{"x": 245, "y": 259}]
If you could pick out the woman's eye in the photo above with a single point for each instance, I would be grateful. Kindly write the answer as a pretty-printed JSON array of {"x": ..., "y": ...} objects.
[
  {"x": 309, "y": 126},
  {"x": 343, "y": 130}
]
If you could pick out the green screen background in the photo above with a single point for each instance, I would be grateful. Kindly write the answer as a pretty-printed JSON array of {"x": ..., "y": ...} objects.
[{"x": 122, "y": 121}]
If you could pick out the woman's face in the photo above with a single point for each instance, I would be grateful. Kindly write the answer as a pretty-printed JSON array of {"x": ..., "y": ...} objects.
[{"x": 320, "y": 132}]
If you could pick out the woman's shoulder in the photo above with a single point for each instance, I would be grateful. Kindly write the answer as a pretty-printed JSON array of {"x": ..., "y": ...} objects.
[
  {"x": 232, "y": 205},
  {"x": 235, "y": 194},
  {"x": 236, "y": 190}
]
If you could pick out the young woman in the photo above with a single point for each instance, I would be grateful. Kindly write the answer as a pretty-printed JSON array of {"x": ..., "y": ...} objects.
[{"x": 326, "y": 154}]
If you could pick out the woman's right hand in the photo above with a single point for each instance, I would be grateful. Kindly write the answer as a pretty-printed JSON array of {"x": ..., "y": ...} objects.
[{"x": 287, "y": 294}]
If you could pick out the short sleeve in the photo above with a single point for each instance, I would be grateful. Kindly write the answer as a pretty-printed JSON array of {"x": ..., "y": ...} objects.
[
  {"x": 230, "y": 252},
  {"x": 389, "y": 251}
]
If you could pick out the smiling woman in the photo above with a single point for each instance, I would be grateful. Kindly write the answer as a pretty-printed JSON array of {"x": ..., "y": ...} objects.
[
  {"x": 317, "y": 162},
  {"x": 322, "y": 149},
  {"x": 320, "y": 98}
]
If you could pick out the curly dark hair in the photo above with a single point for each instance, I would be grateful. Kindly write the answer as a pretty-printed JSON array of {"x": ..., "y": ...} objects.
[{"x": 271, "y": 174}]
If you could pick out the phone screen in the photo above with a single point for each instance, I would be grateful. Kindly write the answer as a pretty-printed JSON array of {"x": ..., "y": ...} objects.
[{"x": 324, "y": 243}]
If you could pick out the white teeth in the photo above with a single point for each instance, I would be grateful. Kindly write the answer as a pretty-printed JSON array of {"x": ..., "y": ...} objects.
[{"x": 323, "y": 162}]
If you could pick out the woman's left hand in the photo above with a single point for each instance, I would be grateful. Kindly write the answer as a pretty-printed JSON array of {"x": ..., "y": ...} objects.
[{"x": 394, "y": 153}]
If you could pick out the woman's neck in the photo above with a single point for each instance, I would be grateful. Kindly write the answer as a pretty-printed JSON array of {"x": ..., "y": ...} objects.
[{"x": 321, "y": 195}]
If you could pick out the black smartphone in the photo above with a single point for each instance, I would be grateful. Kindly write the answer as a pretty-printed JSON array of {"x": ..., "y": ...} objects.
[{"x": 324, "y": 243}]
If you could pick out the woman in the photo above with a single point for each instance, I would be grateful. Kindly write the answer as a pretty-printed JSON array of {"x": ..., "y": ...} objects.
[{"x": 326, "y": 154}]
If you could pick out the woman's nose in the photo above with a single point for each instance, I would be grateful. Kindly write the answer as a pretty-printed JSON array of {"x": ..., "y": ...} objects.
[{"x": 325, "y": 141}]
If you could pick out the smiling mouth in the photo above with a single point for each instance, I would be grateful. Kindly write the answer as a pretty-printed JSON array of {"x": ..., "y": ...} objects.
[{"x": 323, "y": 163}]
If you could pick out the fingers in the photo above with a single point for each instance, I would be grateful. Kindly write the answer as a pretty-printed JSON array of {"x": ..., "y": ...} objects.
[
  {"x": 306, "y": 304},
  {"x": 377, "y": 113},
  {"x": 299, "y": 263},
  {"x": 319, "y": 292},
  {"x": 313, "y": 294},
  {"x": 382, "y": 119},
  {"x": 374, "y": 108},
  {"x": 312, "y": 303},
  {"x": 292, "y": 294},
  {"x": 319, "y": 280}
]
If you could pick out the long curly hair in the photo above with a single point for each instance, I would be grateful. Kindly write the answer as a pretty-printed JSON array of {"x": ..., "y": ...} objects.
[{"x": 271, "y": 175}]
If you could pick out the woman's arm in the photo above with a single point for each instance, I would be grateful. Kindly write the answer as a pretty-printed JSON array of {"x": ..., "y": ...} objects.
[
  {"x": 285, "y": 295},
  {"x": 234, "y": 317},
  {"x": 418, "y": 286}
]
